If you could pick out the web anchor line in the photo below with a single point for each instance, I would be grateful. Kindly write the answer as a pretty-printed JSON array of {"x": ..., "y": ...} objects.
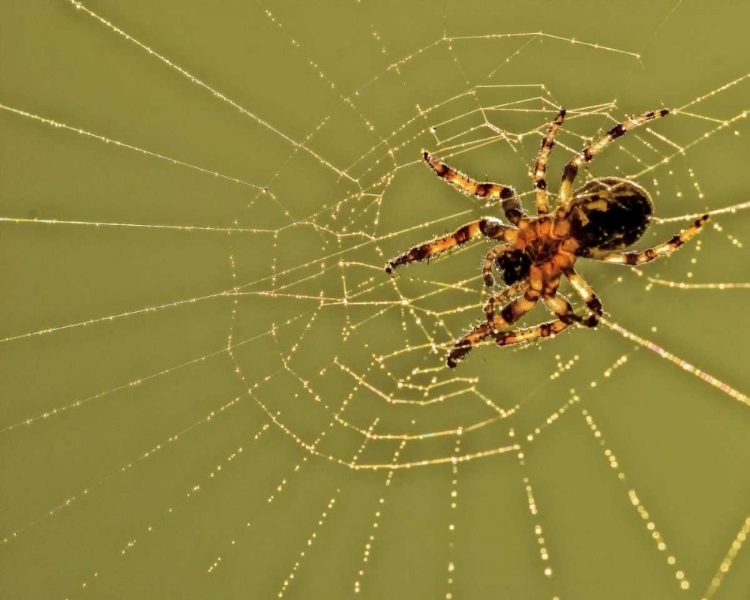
[{"x": 684, "y": 365}]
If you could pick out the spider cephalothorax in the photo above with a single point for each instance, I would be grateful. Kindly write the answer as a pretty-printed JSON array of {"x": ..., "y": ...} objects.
[{"x": 597, "y": 220}]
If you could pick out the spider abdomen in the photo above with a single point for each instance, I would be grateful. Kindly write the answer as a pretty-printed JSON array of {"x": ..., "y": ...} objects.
[
  {"x": 533, "y": 254},
  {"x": 609, "y": 213}
]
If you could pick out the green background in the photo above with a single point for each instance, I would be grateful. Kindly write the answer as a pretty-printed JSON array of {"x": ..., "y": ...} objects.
[{"x": 157, "y": 464}]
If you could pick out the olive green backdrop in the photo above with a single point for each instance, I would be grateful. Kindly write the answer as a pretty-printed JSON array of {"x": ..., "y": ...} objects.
[{"x": 143, "y": 459}]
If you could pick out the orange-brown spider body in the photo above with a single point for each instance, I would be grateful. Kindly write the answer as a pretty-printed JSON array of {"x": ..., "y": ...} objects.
[
  {"x": 605, "y": 214},
  {"x": 597, "y": 220}
]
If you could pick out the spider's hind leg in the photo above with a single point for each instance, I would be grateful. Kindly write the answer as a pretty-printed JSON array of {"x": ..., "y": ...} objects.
[
  {"x": 586, "y": 293},
  {"x": 530, "y": 334},
  {"x": 540, "y": 168},
  {"x": 505, "y": 295},
  {"x": 562, "y": 309},
  {"x": 649, "y": 254},
  {"x": 589, "y": 152}
]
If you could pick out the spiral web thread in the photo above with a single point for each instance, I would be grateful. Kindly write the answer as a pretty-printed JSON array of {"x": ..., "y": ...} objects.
[{"x": 345, "y": 364}]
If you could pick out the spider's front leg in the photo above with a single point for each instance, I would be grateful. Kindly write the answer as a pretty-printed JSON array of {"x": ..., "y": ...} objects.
[
  {"x": 484, "y": 190},
  {"x": 566, "y": 317},
  {"x": 486, "y": 226},
  {"x": 512, "y": 263},
  {"x": 494, "y": 324},
  {"x": 586, "y": 293}
]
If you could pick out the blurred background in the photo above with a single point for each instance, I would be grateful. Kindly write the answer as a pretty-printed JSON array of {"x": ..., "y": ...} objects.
[{"x": 210, "y": 387}]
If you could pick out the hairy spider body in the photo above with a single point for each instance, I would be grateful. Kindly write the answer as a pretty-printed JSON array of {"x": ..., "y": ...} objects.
[
  {"x": 597, "y": 220},
  {"x": 608, "y": 214}
]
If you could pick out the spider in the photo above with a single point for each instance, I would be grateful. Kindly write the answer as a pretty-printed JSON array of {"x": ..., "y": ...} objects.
[{"x": 597, "y": 220}]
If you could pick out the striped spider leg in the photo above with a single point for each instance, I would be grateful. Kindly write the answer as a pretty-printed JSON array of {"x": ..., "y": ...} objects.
[
  {"x": 542, "y": 282},
  {"x": 598, "y": 220},
  {"x": 486, "y": 226}
]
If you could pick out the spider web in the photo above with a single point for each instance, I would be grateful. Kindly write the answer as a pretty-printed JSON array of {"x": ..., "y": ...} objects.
[{"x": 212, "y": 389}]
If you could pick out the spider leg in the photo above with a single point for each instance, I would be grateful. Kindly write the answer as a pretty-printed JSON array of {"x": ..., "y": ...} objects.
[
  {"x": 571, "y": 169},
  {"x": 505, "y": 318},
  {"x": 587, "y": 295},
  {"x": 529, "y": 334},
  {"x": 490, "y": 259},
  {"x": 562, "y": 309},
  {"x": 502, "y": 297},
  {"x": 487, "y": 226},
  {"x": 485, "y": 190},
  {"x": 540, "y": 169},
  {"x": 649, "y": 254},
  {"x": 557, "y": 303}
]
